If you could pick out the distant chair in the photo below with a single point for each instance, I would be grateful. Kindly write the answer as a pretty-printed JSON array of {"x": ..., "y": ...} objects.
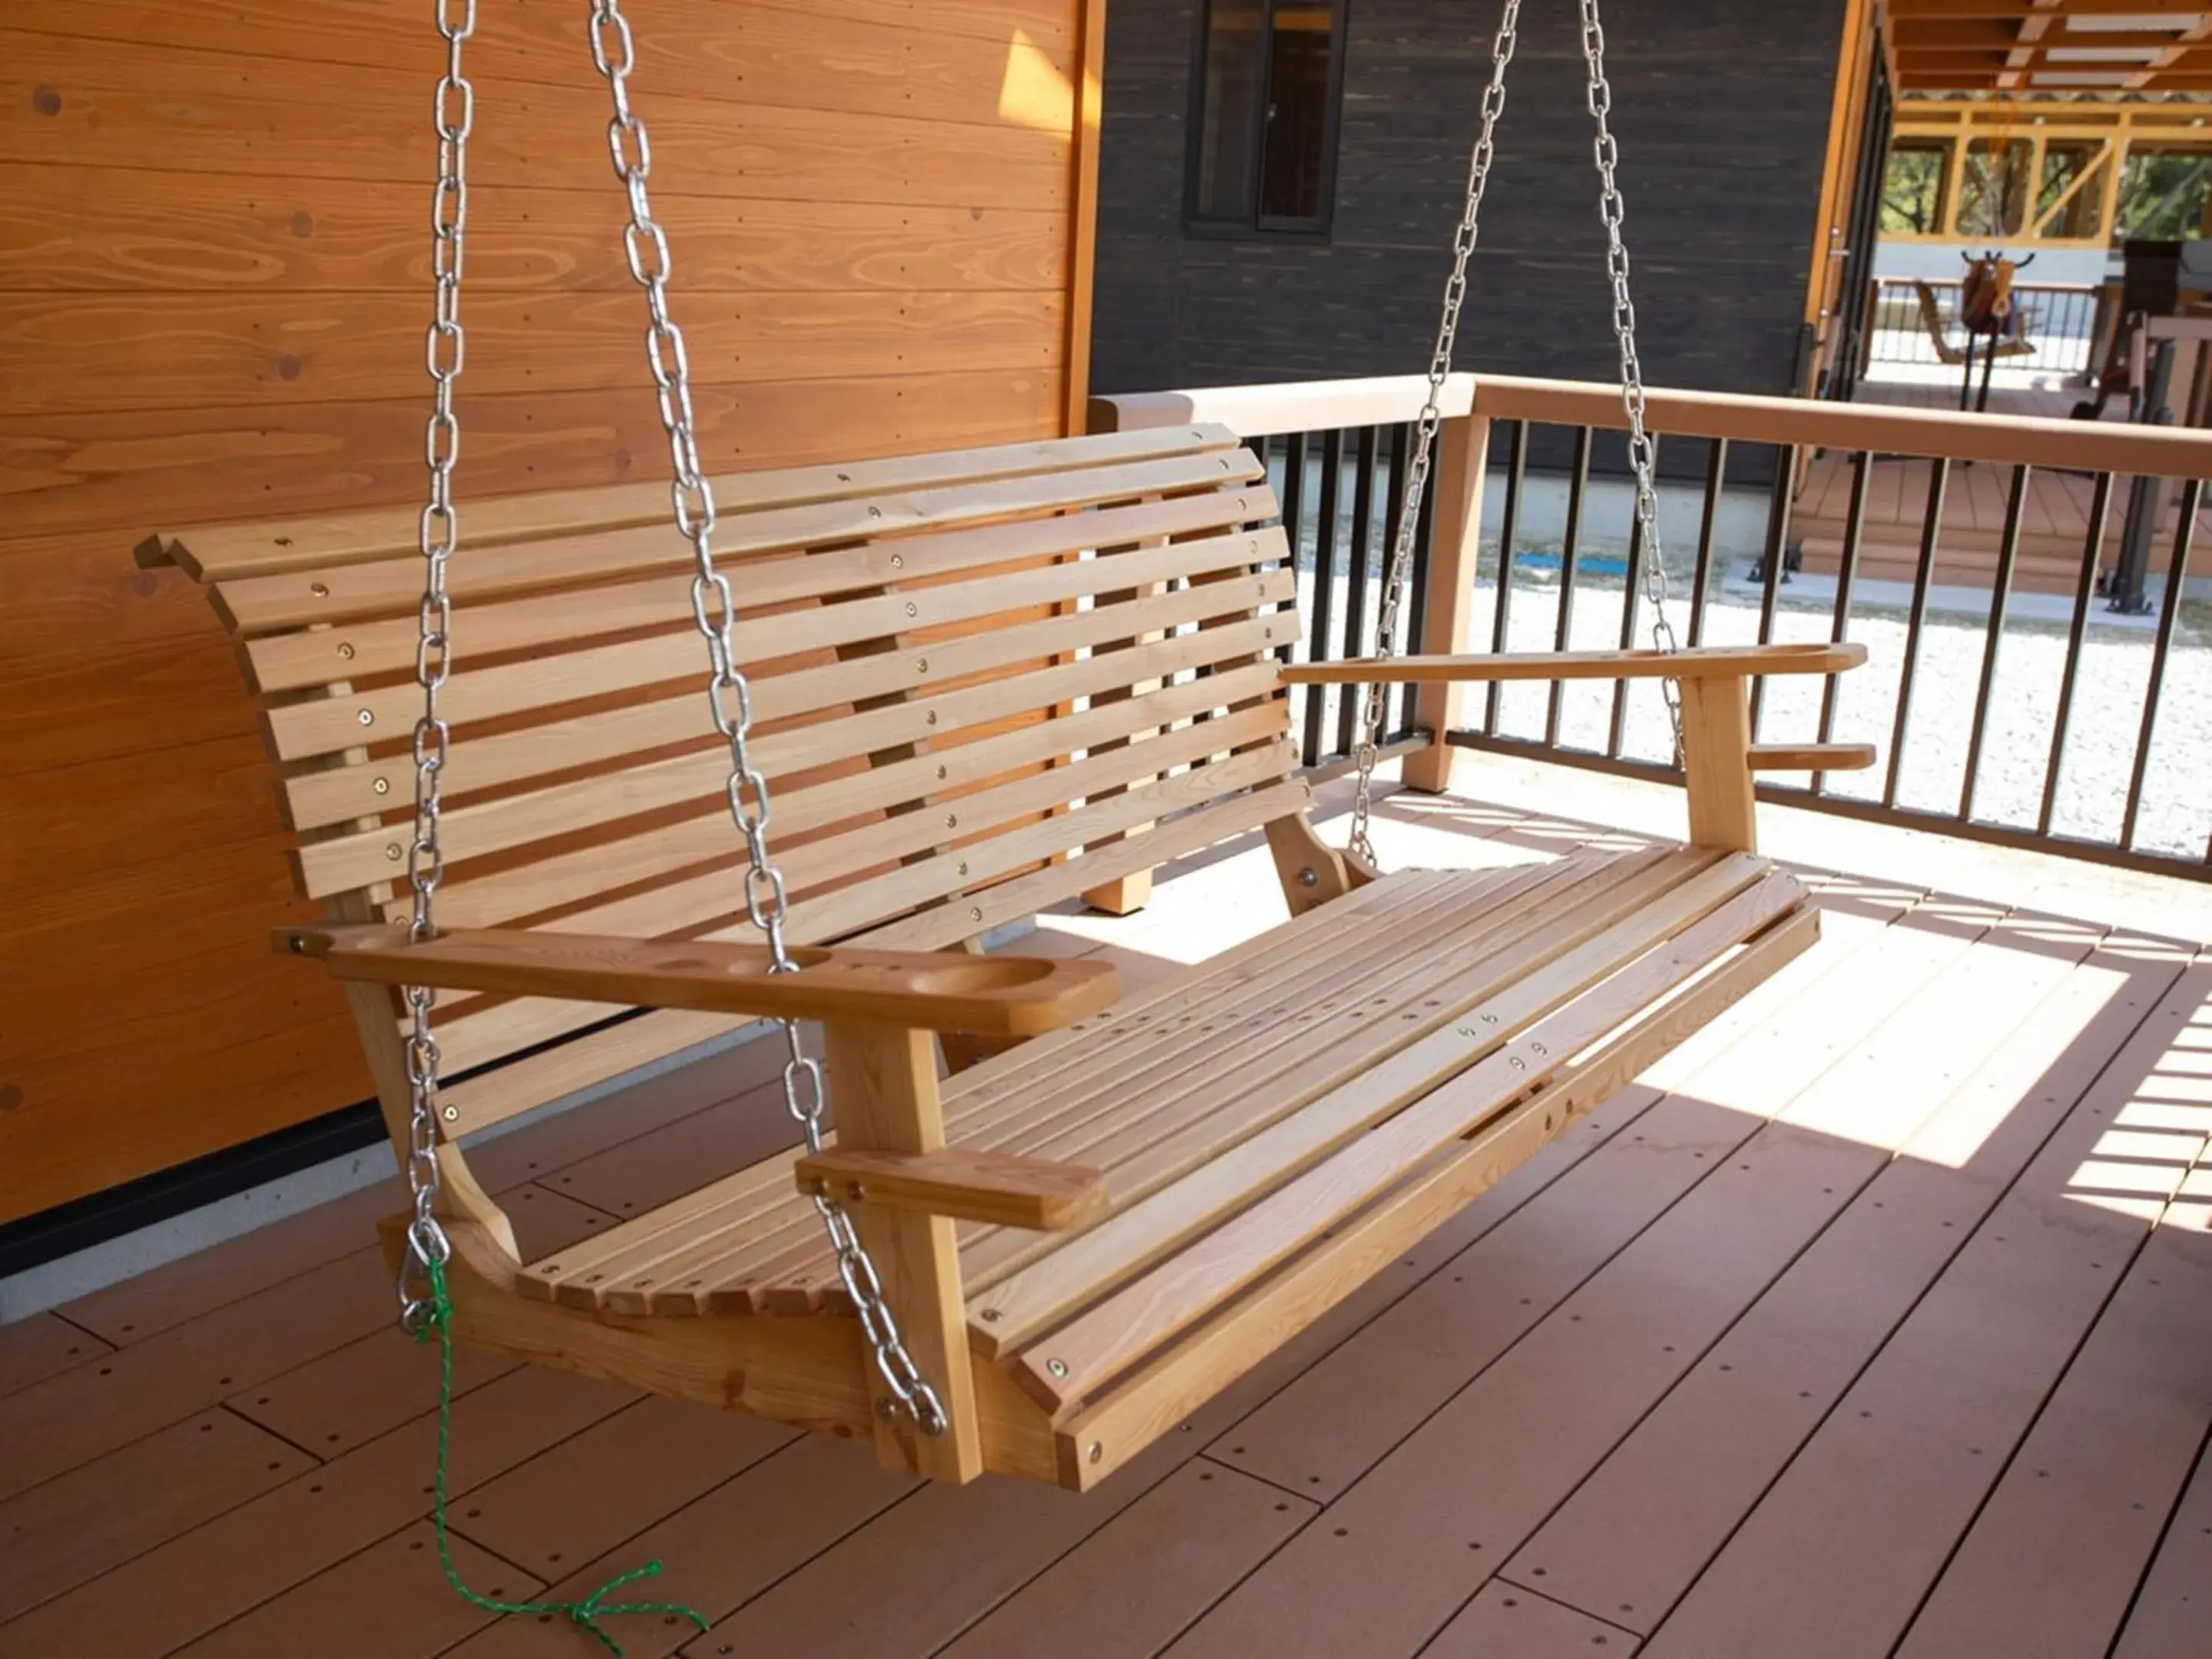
[{"x": 1939, "y": 331}]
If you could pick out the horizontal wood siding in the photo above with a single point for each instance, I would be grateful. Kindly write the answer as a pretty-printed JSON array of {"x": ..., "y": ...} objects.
[
  {"x": 213, "y": 287},
  {"x": 1721, "y": 109}
]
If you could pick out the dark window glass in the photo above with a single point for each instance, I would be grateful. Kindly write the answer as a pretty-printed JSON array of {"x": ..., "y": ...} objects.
[{"x": 1263, "y": 132}]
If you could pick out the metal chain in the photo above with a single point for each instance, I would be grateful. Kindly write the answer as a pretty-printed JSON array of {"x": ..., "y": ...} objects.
[
  {"x": 1642, "y": 453},
  {"x": 713, "y": 609},
  {"x": 454, "y": 112},
  {"x": 1431, "y": 417}
]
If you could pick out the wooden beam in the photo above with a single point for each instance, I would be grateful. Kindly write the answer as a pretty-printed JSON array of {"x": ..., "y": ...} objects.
[
  {"x": 1086, "y": 71},
  {"x": 1715, "y": 758},
  {"x": 1914, "y": 10},
  {"x": 1257, "y": 411},
  {"x": 1698, "y": 662},
  {"x": 2084, "y": 446},
  {"x": 882, "y": 1087},
  {"x": 1318, "y": 406},
  {"x": 1447, "y": 613}
]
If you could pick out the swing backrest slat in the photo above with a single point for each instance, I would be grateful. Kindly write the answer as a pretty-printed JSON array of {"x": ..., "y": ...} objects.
[{"x": 965, "y": 668}]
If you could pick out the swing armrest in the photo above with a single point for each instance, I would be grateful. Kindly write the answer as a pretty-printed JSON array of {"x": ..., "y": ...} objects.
[
  {"x": 1700, "y": 662},
  {"x": 930, "y": 991},
  {"x": 998, "y": 1188}
]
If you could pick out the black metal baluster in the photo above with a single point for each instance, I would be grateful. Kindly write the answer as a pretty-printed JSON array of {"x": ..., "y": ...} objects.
[
  {"x": 1516, "y": 474},
  {"x": 1570, "y": 549},
  {"x": 1847, "y": 573},
  {"x": 2169, "y": 609},
  {"x": 1332, "y": 465},
  {"x": 1777, "y": 556},
  {"x": 1294, "y": 520},
  {"x": 1715, "y": 483},
  {"x": 2085, "y": 588},
  {"x": 1355, "y": 587},
  {"x": 1617, "y": 728},
  {"x": 1939, "y": 476},
  {"x": 2000, "y": 595}
]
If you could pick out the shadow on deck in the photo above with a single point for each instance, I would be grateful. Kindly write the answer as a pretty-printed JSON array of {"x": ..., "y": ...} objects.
[{"x": 1877, "y": 1319}]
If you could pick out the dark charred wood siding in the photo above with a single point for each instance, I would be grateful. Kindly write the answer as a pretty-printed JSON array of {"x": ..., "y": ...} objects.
[{"x": 1721, "y": 108}]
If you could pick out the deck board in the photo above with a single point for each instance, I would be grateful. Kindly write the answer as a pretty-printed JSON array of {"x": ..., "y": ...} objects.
[
  {"x": 2053, "y": 1559},
  {"x": 1511, "y": 1619},
  {"x": 1473, "y": 1472},
  {"x": 722, "y": 1550},
  {"x": 33, "y": 1349},
  {"x": 2175, "y": 1598},
  {"x": 1771, "y": 1203},
  {"x": 1838, "y": 1556},
  {"x": 1139, "y": 1579},
  {"x": 364, "y": 1606},
  {"x": 69, "y": 1529},
  {"x": 1636, "y": 1535},
  {"x": 614, "y": 1479},
  {"x": 195, "y": 1583}
]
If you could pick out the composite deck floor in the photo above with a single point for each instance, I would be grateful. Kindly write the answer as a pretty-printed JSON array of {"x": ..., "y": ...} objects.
[
  {"x": 2055, "y": 512},
  {"x": 1877, "y": 1320}
]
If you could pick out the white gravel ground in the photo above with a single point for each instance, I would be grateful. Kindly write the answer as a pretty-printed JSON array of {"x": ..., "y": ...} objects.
[{"x": 2175, "y": 812}]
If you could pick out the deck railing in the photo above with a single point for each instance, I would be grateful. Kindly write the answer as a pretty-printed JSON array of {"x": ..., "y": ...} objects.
[
  {"x": 2036, "y": 675},
  {"x": 2058, "y": 323}
]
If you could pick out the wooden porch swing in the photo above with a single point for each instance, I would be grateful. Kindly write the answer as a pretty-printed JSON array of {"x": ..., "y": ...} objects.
[{"x": 983, "y": 683}]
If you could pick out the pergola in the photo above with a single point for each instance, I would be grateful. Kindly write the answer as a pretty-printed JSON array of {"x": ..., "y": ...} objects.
[{"x": 2050, "y": 45}]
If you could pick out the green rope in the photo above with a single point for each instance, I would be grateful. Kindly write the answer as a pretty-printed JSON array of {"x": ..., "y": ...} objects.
[{"x": 584, "y": 1614}]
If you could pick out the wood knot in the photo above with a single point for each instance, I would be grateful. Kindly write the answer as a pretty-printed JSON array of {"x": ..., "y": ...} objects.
[{"x": 47, "y": 100}]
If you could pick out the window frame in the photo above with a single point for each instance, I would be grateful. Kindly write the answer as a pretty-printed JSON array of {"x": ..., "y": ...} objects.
[{"x": 1258, "y": 226}]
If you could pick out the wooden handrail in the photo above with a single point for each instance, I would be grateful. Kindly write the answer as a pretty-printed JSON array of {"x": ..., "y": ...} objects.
[
  {"x": 1253, "y": 411},
  {"x": 1259, "y": 411},
  {"x": 1710, "y": 662}
]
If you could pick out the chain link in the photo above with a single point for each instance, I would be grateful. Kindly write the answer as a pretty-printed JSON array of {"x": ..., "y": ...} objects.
[
  {"x": 454, "y": 112},
  {"x": 1641, "y": 449},
  {"x": 1399, "y": 569},
  {"x": 1642, "y": 454},
  {"x": 729, "y": 697}
]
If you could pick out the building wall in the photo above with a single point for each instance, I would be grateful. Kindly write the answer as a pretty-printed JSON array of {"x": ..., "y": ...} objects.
[
  {"x": 213, "y": 220},
  {"x": 1721, "y": 110}
]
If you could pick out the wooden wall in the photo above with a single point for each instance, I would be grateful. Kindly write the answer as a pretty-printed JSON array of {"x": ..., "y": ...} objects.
[
  {"x": 1722, "y": 110},
  {"x": 213, "y": 215}
]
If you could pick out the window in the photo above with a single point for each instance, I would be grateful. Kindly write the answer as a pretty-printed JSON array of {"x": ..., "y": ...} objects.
[
  {"x": 2163, "y": 195},
  {"x": 1993, "y": 187},
  {"x": 1912, "y": 186},
  {"x": 1263, "y": 129},
  {"x": 2070, "y": 196}
]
